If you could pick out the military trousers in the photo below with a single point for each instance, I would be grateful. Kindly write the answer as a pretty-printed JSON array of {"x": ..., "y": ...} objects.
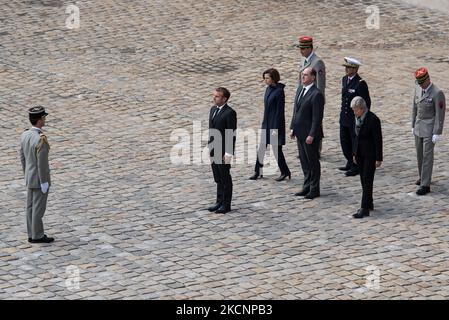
[
  {"x": 424, "y": 153},
  {"x": 36, "y": 205}
]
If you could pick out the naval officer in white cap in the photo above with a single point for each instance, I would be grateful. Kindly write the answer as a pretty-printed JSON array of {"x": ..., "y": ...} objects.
[{"x": 352, "y": 85}]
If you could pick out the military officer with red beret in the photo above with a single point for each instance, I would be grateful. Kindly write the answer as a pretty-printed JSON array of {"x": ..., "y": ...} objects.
[{"x": 429, "y": 106}]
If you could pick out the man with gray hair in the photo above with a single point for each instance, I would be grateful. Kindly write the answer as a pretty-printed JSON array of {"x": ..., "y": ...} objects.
[
  {"x": 367, "y": 151},
  {"x": 352, "y": 85}
]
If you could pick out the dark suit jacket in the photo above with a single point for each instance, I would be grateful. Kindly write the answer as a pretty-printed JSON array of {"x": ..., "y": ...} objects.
[
  {"x": 308, "y": 114},
  {"x": 223, "y": 137},
  {"x": 356, "y": 87},
  {"x": 368, "y": 143},
  {"x": 274, "y": 113}
]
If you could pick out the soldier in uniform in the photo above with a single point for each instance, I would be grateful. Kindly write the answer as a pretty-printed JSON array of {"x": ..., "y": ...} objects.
[
  {"x": 311, "y": 60},
  {"x": 352, "y": 85},
  {"x": 34, "y": 149},
  {"x": 429, "y": 106}
]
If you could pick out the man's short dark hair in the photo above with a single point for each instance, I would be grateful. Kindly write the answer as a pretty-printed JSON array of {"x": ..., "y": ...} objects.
[
  {"x": 274, "y": 74},
  {"x": 225, "y": 92},
  {"x": 313, "y": 72},
  {"x": 34, "y": 121}
]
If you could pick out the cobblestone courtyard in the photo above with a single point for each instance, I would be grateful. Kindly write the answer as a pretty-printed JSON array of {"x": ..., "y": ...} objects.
[{"x": 132, "y": 224}]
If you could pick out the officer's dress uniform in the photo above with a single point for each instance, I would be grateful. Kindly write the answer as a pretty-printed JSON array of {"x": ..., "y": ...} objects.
[
  {"x": 34, "y": 157},
  {"x": 427, "y": 120}
]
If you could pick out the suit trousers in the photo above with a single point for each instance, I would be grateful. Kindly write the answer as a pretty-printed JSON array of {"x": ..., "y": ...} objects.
[
  {"x": 310, "y": 164},
  {"x": 222, "y": 176},
  {"x": 36, "y": 205},
  {"x": 424, "y": 152},
  {"x": 278, "y": 154},
  {"x": 367, "y": 167},
  {"x": 347, "y": 139}
]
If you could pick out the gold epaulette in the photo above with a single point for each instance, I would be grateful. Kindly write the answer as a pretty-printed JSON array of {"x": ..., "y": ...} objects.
[{"x": 42, "y": 140}]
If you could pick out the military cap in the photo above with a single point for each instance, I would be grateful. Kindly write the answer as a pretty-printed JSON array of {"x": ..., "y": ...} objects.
[
  {"x": 37, "y": 112},
  {"x": 305, "y": 42},
  {"x": 351, "y": 62},
  {"x": 421, "y": 75}
]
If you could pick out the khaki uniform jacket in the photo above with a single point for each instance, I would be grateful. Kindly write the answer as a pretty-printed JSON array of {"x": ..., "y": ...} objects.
[
  {"x": 428, "y": 112},
  {"x": 316, "y": 63},
  {"x": 34, "y": 149}
]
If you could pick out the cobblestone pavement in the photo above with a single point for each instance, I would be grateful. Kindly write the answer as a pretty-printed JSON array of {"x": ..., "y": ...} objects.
[{"x": 134, "y": 225}]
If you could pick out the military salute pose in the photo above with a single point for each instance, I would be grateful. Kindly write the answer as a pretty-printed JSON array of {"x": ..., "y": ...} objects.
[
  {"x": 429, "y": 106},
  {"x": 352, "y": 85},
  {"x": 34, "y": 149}
]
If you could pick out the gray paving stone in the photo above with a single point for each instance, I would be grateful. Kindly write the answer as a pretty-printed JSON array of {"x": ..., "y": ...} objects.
[{"x": 135, "y": 223}]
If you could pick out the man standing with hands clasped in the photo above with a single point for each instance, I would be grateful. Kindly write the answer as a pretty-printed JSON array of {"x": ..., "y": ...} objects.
[
  {"x": 34, "y": 149},
  {"x": 429, "y": 106},
  {"x": 367, "y": 151}
]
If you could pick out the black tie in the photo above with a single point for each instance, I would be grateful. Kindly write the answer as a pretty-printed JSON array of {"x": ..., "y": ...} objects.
[
  {"x": 217, "y": 110},
  {"x": 301, "y": 94}
]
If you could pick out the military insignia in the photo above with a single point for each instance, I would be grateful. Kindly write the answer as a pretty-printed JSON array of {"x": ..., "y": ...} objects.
[
  {"x": 41, "y": 142},
  {"x": 351, "y": 90}
]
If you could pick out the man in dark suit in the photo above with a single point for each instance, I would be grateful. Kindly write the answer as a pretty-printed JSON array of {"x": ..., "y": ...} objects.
[
  {"x": 306, "y": 128},
  {"x": 311, "y": 60},
  {"x": 367, "y": 151},
  {"x": 222, "y": 126},
  {"x": 352, "y": 85}
]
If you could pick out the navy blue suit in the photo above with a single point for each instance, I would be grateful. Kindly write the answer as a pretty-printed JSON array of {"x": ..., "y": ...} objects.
[{"x": 273, "y": 121}]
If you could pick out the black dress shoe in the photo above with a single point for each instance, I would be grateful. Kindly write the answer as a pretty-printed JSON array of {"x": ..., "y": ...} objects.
[
  {"x": 418, "y": 182},
  {"x": 365, "y": 211},
  {"x": 29, "y": 239},
  {"x": 312, "y": 195},
  {"x": 214, "y": 207},
  {"x": 302, "y": 193},
  {"x": 361, "y": 213},
  {"x": 283, "y": 176},
  {"x": 44, "y": 239},
  {"x": 351, "y": 173},
  {"x": 256, "y": 176},
  {"x": 223, "y": 209},
  {"x": 422, "y": 191},
  {"x": 345, "y": 168}
]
